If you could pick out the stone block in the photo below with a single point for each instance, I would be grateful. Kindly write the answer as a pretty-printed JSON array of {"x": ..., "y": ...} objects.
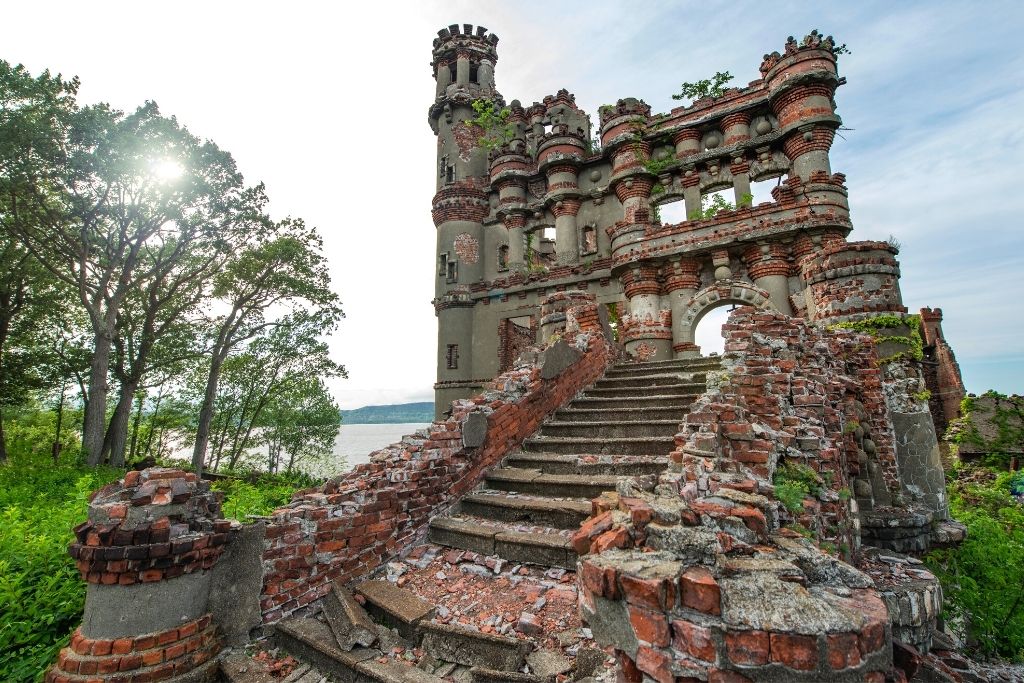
[{"x": 349, "y": 622}]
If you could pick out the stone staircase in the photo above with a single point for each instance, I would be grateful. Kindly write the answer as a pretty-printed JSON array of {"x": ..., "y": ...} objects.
[
  {"x": 624, "y": 425},
  {"x": 524, "y": 513}
]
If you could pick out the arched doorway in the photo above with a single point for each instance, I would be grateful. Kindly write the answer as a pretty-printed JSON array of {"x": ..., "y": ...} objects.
[{"x": 722, "y": 294}]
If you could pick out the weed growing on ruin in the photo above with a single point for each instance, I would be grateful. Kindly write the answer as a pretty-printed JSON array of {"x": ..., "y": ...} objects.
[
  {"x": 707, "y": 87},
  {"x": 656, "y": 166},
  {"x": 494, "y": 124},
  {"x": 983, "y": 578},
  {"x": 242, "y": 498},
  {"x": 794, "y": 482},
  {"x": 880, "y": 327},
  {"x": 998, "y": 410},
  {"x": 710, "y": 206}
]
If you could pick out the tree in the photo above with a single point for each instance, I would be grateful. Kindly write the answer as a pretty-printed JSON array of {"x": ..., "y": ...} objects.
[
  {"x": 301, "y": 425},
  {"x": 117, "y": 210},
  {"x": 286, "y": 269},
  {"x": 32, "y": 111},
  {"x": 707, "y": 87}
]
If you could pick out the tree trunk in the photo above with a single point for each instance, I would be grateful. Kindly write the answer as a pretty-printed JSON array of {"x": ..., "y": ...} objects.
[
  {"x": 95, "y": 418},
  {"x": 206, "y": 412},
  {"x": 135, "y": 430},
  {"x": 117, "y": 432},
  {"x": 57, "y": 445},
  {"x": 152, "y": 419}
]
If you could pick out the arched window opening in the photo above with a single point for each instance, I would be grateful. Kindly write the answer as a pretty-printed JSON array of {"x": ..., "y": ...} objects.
[
  {"x": 503, "y": 257},
  {"x": 708, "y": 335}
]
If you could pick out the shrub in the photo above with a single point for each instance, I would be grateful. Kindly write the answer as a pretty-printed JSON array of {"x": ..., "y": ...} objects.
[
  {"x": 983, "y": 578},
  {"x": 41, "y": 594}
]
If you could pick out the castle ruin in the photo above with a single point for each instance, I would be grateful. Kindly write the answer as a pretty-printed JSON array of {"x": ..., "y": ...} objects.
[{"x": 595, "y": 499}]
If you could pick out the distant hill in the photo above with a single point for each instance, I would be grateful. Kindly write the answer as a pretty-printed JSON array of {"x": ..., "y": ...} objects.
[{"x": 391, "y": 414}]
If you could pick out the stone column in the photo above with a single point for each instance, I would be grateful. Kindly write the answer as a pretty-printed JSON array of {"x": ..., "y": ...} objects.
[
  {"x": 691, "y": 192},
  {"x": 514, "y": 223},
  {"x": 462, "y": 68},
  {"x": 444, "y": 77},
  {"x": 769, "y": 269},
  {"x": 646, "y": 330},
  {"x": 553, "y": 311},
  {"x": 485, "y": 74},
  {"x": 567, "y": 249},
  {"x": 682, "y": 281},
  {"x": 148, "y": 554},
  {"x": 687, "y": 142}
]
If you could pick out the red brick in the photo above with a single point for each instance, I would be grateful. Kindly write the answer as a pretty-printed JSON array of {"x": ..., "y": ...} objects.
[
  {"x": 656, "y": 594},
  {"x": 627, "y": 669},
  {"x": 694, "y": 640},
  {"x": 616, "y": 538},
  {"x": 723, "y": 676},
  {"x": 649, "y": 626},
  {"x": 700, "y": 591},
  {"x": 795, "y": 651},
  {"x": 843, "y": 651},
  {"x": 872, "y": 638},
  {"x": 122, "y": 646},
  {"x": 655, "y": 663},
  {"x": 747, "y": 647},
  {"x": 589, "y": 530}
]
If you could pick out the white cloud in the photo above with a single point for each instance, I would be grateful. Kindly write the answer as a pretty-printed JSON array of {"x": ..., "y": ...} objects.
[{"x": 327, "y": 104}]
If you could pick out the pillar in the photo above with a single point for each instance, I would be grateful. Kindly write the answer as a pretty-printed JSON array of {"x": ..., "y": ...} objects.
[
  {"x": 462, "y": 68},
  {"x": 514, "y": 223},
  {"x": 646, "y": 330},
  {"x": 769, "y": 269},
  {"x": 681, "y": 282},
  {"x": 567, "y": 250},
  {"x": 150, "y": 553}
]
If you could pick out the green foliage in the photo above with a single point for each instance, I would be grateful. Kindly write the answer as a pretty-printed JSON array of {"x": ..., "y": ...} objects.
[
  {"x": 1004, "y": 413},
  {"x": 878, "y": 327},
  {"x": 41, "y": 594},
  {"x": 711, "y": 205},
  {"x": 793, "y": 482},
  {"x": 496, "y": 130},
  {"x": 656, "y": 166},
  {"x": 708, "y": 87},
  {"x": 924, "y": 395},
  {"x": 243, "y": 498},
  {"x": 983, "y": 578},
  {"x": 658, "y": 189}
]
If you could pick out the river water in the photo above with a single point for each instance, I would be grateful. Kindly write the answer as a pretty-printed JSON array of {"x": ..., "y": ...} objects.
[{"x": 355, "y": 443}]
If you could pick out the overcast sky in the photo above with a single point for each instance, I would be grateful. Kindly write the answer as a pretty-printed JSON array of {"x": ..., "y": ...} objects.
[{"x": 327, "y": 102}]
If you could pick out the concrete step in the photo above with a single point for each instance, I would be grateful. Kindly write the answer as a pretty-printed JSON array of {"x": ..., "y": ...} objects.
[
  {"x": 680, "y": 365},
  {"x": 454, "y": 643},
  {"x": 646, "y": 381},
  {"x": 677, "y": 389},
  {"x": 556, "y": 463},
  {"x": 680, "y": 402},
  {"x": 578, "y": 445},
  {"x": 312, "y": 642},
  {"x": 538, "y": 511},
  {"x": 395, "y": 606},
  {"x": 572, "y": 414},
  {"x": 545, "y": 548},
  {"x": 537, "y": 483},
  {"x": 615, "y": 429}
]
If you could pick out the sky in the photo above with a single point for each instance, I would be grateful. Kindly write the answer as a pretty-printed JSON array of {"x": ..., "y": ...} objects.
[{"x": 326, "y": 103}]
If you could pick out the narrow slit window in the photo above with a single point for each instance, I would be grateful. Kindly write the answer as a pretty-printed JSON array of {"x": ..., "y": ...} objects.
[{"x": 452, "y": 356}]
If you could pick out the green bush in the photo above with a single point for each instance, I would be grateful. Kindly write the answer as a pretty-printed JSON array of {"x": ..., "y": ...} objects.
[
  {"x": 983, "y": 578},
  {"x": 41, "y": 594},
  {"x": 243, "y": 498}
]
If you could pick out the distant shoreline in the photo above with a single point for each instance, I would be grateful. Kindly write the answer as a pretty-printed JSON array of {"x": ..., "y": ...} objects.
[{"x": 397, "y": 413}]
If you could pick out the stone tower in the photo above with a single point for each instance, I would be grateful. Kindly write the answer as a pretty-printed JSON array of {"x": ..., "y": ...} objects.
[
  {"x": 463, "y": 65},
  {"x": 546, "y": 209}
]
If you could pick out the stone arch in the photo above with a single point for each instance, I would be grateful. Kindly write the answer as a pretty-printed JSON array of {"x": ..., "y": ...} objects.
[{"x": 721, "y": 293}]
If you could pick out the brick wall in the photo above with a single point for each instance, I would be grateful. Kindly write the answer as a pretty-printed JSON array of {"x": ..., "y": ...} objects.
[
  {"x": 705, "y": 576},
  {"x": 356, "y": 522}
]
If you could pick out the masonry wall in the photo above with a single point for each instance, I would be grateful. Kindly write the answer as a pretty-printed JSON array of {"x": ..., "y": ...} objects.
[
  {"x": 356, "y": 522},
  {"x": 705, "y": 575}
]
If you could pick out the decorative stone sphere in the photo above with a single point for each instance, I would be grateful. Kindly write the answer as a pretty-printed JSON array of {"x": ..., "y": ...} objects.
[
  {"x": 808, "y": 136},
  {"x": 763, "y": 127},
  {"x": 661, "y": 155},
  {"x": 869, "y": 446},
  {"x": 723, "y": 273},
  {"x": 595, "y": 175},
  {"x": 712, "y": 141}
]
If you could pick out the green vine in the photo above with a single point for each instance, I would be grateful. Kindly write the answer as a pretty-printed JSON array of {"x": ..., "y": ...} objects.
[
  {"x": 656, "y": 166},
  {"x": 877, "y": 326},
  {"x": 497, "y": 131},
  {"x": 1003, "y": 419}
]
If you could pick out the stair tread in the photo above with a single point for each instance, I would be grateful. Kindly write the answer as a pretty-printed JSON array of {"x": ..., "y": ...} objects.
[
  {"x": 481, "y": 526},
  {"x": 525, "y": 475},
  {"x": 588, "y": 423},
  {"x": 542, "y": 457},
  {"x": 506, "y": 499},
  {"x": 602, "y": 439}
]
